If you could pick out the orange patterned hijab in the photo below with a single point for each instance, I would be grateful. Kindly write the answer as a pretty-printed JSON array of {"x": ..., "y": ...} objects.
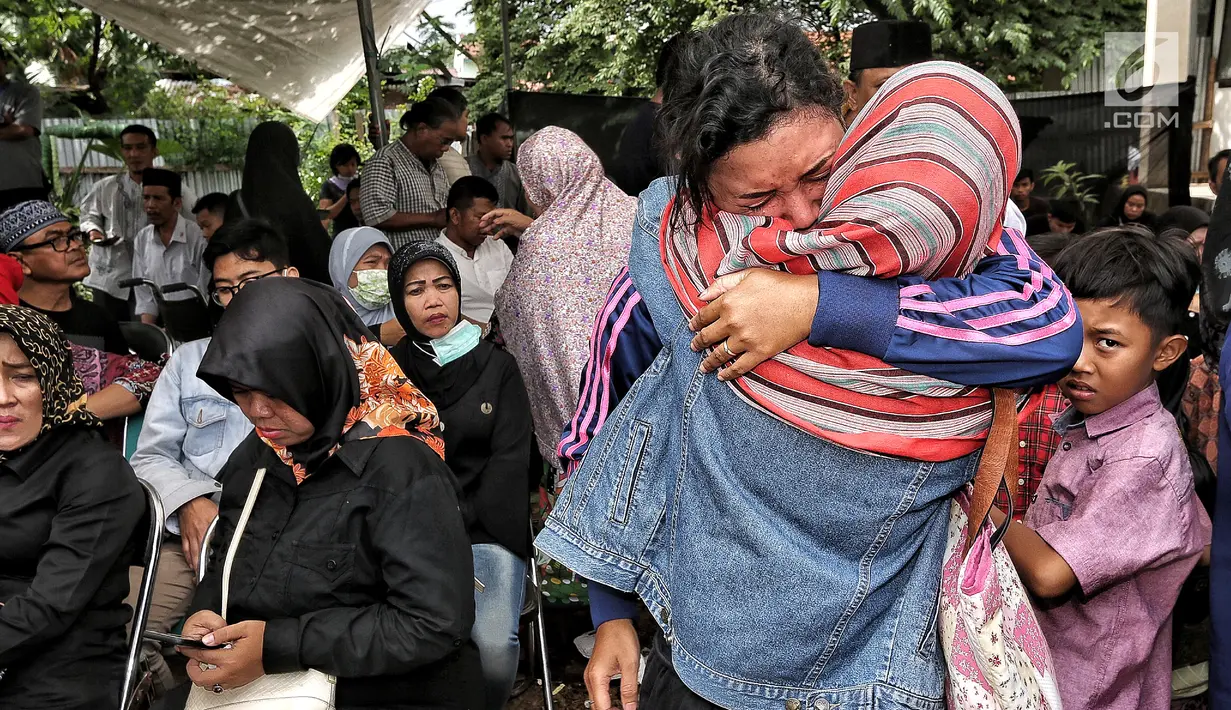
[{"x": 312, "y": 352}]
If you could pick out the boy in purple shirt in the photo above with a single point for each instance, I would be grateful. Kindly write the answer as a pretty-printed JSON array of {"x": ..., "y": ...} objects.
[{"x": 1116, "y": 527}]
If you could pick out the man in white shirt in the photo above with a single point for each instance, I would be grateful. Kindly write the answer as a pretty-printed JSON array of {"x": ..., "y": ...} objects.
[
  {"x": 112, "y": 215},
  {"x": 483, "y": 262},
  {"x": 169, "y": 250}
]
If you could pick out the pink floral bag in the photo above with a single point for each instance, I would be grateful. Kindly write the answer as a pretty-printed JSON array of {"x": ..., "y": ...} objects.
[{"x": 996, "y": 654}]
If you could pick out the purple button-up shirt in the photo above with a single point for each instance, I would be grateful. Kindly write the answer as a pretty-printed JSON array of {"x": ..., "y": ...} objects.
[{"x": 1117, "y": 503}]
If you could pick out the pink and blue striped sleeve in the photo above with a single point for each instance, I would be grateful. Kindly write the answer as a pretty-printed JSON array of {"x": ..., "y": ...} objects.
[
  {"x": 1010, "y": 323},
  {"x": 623, "y": 345}
]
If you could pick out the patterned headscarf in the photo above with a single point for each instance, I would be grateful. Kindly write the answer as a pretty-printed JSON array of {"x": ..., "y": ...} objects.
[
  {"x": 41, "y": 341},
  {"x": 298, "y": 341},
  {"x": 919, "y": 186},
  {"x": 565, "y": 264}
]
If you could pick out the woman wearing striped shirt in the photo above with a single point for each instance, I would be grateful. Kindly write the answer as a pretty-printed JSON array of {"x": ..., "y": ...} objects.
[{"x": 790, "y": 550}]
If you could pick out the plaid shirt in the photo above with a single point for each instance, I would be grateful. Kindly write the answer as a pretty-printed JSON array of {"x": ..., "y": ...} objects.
[
  {"x": 396, "y": 180},
  {"x": 1038, "y": 440}
]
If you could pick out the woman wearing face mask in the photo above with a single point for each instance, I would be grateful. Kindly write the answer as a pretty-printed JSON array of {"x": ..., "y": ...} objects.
[
  {"x": 354, "y": 561},
  {"x": 1130, "y": 209},
  {"x": 482, "y": 403},
  {"x": 69, "y": 505},
  {"x": 358, "y": 267}
]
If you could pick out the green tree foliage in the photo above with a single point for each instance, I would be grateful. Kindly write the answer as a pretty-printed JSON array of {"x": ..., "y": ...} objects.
[
  {"x": 108, "y": 69},
  {"x": 610, "y": 46}
]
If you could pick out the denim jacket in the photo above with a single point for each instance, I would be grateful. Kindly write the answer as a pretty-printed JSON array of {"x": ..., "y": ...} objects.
[
  {"x": 785, "y": 571},
  {"x": 188, "y": 434}
]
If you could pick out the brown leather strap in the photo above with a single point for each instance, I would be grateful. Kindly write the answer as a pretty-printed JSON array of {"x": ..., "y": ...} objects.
[{"x": 998, "y": 462}]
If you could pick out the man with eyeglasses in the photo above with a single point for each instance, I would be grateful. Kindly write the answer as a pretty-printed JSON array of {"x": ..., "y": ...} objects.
[
  {"x": 190, "y": 430},
  {"x": 52, "y": 259}
]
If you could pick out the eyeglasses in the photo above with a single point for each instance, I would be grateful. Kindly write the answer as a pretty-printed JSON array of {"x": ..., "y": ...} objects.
[
  {"x": 60, "y": 242},
  {"x": 218, "y": 292}
]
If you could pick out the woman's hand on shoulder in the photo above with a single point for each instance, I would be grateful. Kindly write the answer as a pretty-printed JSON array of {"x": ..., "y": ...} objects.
[
  {"x": 235, "y": 660},
  {"x": 753, "y": 315}
]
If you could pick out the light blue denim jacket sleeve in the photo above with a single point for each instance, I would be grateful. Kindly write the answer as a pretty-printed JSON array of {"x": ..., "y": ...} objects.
[{"x": 188, "y": 434}]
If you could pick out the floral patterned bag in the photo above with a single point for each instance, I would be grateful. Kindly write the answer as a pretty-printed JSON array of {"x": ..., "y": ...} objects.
[{"x": 996, "y": 655}]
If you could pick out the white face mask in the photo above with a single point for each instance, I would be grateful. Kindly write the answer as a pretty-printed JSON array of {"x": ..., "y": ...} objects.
[{"x": 372, "y": 289}]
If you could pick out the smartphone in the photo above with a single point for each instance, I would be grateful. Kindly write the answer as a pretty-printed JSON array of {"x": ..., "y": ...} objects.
[{"x": 174, "y": 640}]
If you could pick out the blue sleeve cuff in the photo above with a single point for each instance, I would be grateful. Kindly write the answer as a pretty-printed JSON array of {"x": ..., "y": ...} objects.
[
  {"x": 607, "y": 604},
  {"x": 855, "y": 313}
]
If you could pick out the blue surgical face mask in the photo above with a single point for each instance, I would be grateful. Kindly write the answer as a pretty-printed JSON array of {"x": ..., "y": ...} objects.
[{"x": 457, "y": 342}]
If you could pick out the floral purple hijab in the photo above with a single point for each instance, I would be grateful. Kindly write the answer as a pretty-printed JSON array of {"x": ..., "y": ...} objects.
[{"x": 565, "y": 264}]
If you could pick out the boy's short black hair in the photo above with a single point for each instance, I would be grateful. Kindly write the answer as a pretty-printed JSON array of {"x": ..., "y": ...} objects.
[
  {"x": 250, "y": 240},
  {"x": 1156, "y": 277},
  {"x": 215, "y": 202},
  {"x": 342, "y": 154},
  {"x": 1224, "y": 154},
  {"x": 1024, "y": 174},
  {"x": 468, "y": 189},
  {"x": 352, "y": 185},
  {"x": 489, "y": 124},
  {"x": 140, "y": 130},
  {"x": 1048, "y": 245},
  {"x": 1064, "y": 210},
  {"x": 158, "y": 177}
]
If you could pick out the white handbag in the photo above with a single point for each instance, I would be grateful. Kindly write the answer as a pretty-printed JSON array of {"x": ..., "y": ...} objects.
[{"x": 301, "y": 690}]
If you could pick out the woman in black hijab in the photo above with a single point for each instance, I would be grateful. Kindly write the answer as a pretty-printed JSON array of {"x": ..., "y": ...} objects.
[
  {"x": 354, "y": 561},
  {"x": 272, "y": 191},
  {"x": 1130, "y": 209},
  {"x": 487, "y": 430},
  {"x": 69, "y": 505}
]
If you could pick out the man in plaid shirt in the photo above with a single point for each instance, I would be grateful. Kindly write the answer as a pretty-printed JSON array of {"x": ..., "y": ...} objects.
[{"x": 404, "y": 187}]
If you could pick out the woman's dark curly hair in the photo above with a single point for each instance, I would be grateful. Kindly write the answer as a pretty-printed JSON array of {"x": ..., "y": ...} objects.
[{"x": 728, "y": 85}]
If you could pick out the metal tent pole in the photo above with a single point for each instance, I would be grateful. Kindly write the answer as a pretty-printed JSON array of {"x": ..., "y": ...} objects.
[
  {"x": 370, "y": 56},
  {"x": 508, "y": 60}
]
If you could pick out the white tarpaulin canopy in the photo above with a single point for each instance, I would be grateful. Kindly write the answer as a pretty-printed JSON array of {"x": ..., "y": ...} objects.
[{"x": 303, "y": 54}]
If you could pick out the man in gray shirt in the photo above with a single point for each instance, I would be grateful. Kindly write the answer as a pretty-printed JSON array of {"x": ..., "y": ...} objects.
[
  {"x": 21, "y": 119},
  {"x": 493, "y": 161}
]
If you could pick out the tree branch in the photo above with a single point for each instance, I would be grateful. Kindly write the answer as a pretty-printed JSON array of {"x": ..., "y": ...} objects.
[{"x": 435, "y": 23}]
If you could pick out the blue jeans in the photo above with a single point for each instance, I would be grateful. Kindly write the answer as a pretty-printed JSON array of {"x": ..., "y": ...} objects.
[{"x": 497, "y": 610}]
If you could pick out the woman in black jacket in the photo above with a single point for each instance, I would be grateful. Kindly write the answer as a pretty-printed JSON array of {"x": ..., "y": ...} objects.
[
  {"x": 69, "y": 505},
  {"x": 486, "y": 414},
  {"x": 1130, "y": 209},
  {"x": 354, "y": 561}
]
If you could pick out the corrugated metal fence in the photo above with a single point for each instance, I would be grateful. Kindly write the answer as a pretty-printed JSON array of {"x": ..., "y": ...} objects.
[{"x": 69, "y": 152}]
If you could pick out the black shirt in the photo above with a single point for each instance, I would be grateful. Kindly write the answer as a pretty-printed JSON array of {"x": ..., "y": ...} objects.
[
  {"x": 488, "y": 435},
  {"x": 1037, "y": 205},
  {"x": 346, "y": 218},
  {"x": 637, "y": 163},
  {"x": 88, "y": 324},
  {"x": 69, "y": 505},
  {"x": 363, "y": 571}
]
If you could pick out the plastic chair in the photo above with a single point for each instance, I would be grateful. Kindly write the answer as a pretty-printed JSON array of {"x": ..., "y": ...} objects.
[
  {"x": 148, "y": 342},
  {"x": 132, "y": 433},
  {"x": 133, "y": 684}
]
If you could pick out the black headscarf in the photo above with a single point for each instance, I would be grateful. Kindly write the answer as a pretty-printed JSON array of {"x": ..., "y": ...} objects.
[
  {"x": 299, "y": 341},
  {"x": 52, "y": 359},
  {"x": 443, "y": 385},
  {"x": 272, "y": 190},
  {"x": 1117, "y": 217}
]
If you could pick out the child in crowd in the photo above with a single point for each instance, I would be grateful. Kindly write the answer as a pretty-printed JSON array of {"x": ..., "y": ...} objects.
[
  {"x": 1116, "y": 527},
  {"x": 1038, "y": 439}
]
